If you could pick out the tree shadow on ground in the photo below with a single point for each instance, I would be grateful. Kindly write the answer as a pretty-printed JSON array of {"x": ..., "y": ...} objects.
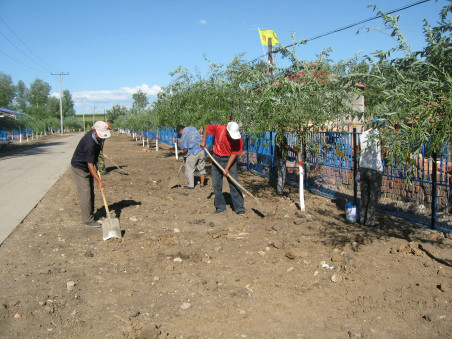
[
  {"x": 18, "y": 150},
  {"x": 338, "y": 233},
  {"x": 117, "y": 208}
]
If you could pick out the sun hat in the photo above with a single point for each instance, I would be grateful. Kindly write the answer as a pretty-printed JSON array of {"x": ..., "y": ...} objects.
[
  {"x": 102, "y": 129},
  {"x": 233, "y": 130}
]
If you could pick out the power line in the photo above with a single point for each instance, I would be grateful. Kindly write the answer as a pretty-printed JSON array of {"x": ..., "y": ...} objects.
[
  {"x": 358, "y": 23},
  {"x": 20, "y": 62},
  {"x": 42, "y": 62},
  {"x": 351, "y": 25}
]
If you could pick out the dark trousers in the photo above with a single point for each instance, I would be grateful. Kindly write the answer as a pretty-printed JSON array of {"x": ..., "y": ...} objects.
[
  {"x": 370, "y": 183},
  {"x": 85, "y": 188},
  {"x": 281, "y": 173},
  {"x": 217, "y": 183}
]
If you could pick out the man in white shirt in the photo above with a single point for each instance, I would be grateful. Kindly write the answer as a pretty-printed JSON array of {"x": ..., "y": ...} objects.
[{"x": 370, "y": 174}]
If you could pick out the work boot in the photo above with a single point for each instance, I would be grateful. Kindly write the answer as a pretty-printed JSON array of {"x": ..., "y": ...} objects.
[{"x": 93, "y": 224}]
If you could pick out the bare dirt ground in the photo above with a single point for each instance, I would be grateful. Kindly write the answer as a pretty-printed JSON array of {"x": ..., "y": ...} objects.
[{"x": 182, "y": 272}]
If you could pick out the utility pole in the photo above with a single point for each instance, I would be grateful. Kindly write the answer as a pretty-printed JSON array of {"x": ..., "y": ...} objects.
[
  {"x": 61, "y": 98},
  {"x": 83, "y": 113},
  {"x": 94, "y": 113}
]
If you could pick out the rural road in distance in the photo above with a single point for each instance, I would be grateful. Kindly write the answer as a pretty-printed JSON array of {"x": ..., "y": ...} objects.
[{"x": 26, "y": 176}]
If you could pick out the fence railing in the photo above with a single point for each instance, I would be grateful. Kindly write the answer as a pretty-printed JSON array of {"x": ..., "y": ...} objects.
[
  {"x": 13, "y": 135},
  {"x": 331, "y": 168}
]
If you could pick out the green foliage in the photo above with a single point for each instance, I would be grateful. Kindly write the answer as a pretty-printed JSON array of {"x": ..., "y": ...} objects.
[
  {"x": 68, "y": 104},
  {"x": 35, "y": 101},
  {"x": 20, "y": 100},
  {"x": 140, "y": 100},
  {"x": 7, "y": 91},
  {"x": 412, "y": 92},
  {"x": 72, "y": 123},
  {"x": 115, "y": 112},
  {"x": 53, "y": 107},
  {"x": 37, "y": 96},
  {"x": 9, "y": 124},
  {"x": 138, "y": 120},
  {"x": 250, "y": 95}
]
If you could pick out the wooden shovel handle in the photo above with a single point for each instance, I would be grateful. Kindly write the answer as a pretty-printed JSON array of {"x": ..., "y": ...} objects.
[
  {"x": 228, "y": 175},
  {"x": 103, "y": 197}
]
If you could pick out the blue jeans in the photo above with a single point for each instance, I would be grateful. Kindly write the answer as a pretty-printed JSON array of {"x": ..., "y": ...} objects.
[{"x": 217, "y": 183}]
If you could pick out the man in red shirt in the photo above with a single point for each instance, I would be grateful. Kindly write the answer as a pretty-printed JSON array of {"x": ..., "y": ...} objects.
[{"x": 228, "y": 144}]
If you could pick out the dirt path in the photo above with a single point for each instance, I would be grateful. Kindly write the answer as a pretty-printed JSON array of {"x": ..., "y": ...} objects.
[{"x": 182, "y": 272}]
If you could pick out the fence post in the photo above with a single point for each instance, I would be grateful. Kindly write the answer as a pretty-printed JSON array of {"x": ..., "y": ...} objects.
[
  {"x": 247, "y": 152},
  {"x": 355, "y": 168},
  {"x": 434, "y": 190},
  {"x": 272, "y": 155}
]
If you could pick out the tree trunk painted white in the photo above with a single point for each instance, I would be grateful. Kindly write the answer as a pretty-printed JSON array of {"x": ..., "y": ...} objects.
[
  {"x": 301, "y": 188},
  {"x": 157, "y": 142},
  {"x": 147, "y": 142},
  {"x": 142, "y": 142},
  {"x": 175, "y": 148}
]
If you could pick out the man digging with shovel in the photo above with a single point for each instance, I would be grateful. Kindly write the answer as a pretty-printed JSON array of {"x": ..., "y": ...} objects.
[
  {"x": 83, "y": 167},
  {"x": 228, "y": 144},
  {"x": 193, "y": 154}
]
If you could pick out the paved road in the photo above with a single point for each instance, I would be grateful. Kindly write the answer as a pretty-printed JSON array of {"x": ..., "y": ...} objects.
[{"x": 25, "y": 178}]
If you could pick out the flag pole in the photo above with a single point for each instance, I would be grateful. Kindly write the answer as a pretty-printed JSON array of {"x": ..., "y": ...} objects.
[{"x": 263, "y": 49}]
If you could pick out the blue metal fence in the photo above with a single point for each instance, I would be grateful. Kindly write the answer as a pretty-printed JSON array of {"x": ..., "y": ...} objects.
[
  {"x": 330, "y": 170},
  {"x": 14, "y": 134}
]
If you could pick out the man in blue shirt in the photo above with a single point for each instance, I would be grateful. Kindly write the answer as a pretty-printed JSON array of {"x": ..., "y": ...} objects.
[{"x": 193, "y": 154}]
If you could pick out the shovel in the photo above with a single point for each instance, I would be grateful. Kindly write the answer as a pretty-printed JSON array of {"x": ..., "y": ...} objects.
[
  {"x": 110, "y": 226},
  {"x": 261, "y": 208},
  {"x": 175, "y": 180}
]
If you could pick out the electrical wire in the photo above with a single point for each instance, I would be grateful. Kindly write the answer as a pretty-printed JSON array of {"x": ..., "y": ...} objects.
[
  {"x": 358, "y": 23},
  {"x": 41, "y": 61},
  {"x": 349, "y": 26},
  {"x": 20, "y": 62}
]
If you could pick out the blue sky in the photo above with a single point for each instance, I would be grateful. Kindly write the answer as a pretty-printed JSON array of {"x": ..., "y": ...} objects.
[{"x": 112, "y": 48}]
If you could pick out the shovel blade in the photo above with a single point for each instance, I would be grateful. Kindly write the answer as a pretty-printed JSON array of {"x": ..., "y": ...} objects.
[{"x": 110, "y": 228}]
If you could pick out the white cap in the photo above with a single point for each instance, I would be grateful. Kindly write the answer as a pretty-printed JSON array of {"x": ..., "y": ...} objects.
[
  {"x": 102, "y": 129},
  {"x": 233, "y": 130}
]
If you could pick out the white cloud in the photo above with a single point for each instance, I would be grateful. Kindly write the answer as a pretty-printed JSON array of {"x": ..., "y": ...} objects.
[
  {"x": 203, "y": 22},
  {"x": 115, "y": 95}
]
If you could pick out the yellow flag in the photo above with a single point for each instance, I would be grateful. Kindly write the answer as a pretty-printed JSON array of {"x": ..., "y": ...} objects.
[{"x": 265, "y": 34}]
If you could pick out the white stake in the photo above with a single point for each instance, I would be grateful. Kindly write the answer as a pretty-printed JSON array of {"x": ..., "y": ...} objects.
[
  {"x": 301, "y": 188},
  {"x": 175, "y": 147}
]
